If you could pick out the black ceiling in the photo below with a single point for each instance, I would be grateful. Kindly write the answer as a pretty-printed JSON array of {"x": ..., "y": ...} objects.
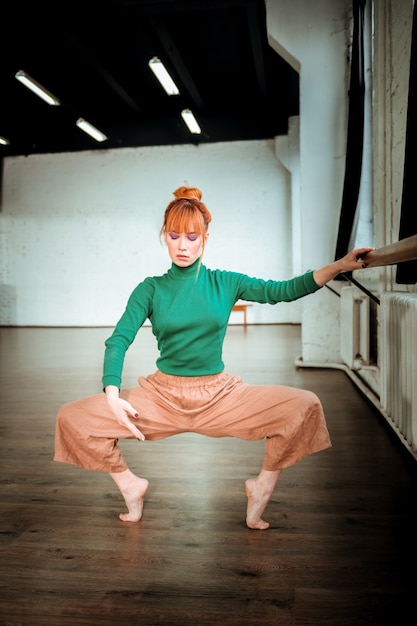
[{"x": 94, "y": 57}]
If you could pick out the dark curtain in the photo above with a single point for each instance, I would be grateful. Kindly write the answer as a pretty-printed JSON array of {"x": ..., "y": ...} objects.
[
  {"x": 407, "y": 272},
  {"x": 354, "y": 147}
]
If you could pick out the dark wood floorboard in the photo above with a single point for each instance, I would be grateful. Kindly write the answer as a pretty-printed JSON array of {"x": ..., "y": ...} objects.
[{"x": 341, "y": 549}]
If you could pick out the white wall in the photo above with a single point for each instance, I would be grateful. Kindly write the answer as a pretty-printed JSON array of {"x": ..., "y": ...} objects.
[
  {"x": 78, "y": 231},
  {"x": 313, "y": 38},
  {"x": 91, "y": 220},
  {"x": 392, "y": 49}
]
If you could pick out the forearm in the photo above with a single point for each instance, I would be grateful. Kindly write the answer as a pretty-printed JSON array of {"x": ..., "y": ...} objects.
[
  {"x": 327, "y": 273},
  {"x": 349, "y": 263}
]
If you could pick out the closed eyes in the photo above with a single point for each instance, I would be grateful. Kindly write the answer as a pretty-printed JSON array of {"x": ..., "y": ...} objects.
[{"x": 190, "y": 236}]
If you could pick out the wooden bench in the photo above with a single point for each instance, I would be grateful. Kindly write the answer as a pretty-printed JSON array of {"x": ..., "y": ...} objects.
[{"x": 242, "y": 307}]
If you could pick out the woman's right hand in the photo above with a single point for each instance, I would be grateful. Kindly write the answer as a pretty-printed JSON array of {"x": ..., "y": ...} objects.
[{"x": 123, "y": 411}]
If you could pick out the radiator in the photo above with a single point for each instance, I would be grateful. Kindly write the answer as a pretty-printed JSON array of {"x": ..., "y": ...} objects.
[
  {"x": 354, "y": 327},
  {"x": 398, "y": 364}
]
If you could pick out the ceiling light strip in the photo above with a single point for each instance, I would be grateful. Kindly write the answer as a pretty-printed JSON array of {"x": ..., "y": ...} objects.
[
  {"x": 4, "y": 141},
  {"x": 161, "y": 73},
  {"x": 191, "y": 122},
  {"x": 37, "y": 88},
  {"x": 90, "y": 129}
]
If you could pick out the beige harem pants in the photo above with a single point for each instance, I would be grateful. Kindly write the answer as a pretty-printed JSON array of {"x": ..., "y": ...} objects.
[{"x": 290, "y": 420}]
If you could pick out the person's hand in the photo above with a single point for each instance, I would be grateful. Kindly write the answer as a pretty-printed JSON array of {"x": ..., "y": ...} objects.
[
  {"x": 123, "y": 411},
  {"x": 353, "y": 260}
]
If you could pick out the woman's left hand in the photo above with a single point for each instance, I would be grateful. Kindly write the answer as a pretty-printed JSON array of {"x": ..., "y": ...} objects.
[{"x": 353, "y": 260}]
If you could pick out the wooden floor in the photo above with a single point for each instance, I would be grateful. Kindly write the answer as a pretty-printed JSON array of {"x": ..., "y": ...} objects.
[{"x": 341, "y": 549}]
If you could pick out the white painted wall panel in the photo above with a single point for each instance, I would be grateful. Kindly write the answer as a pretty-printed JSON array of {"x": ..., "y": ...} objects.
[{"x": 79, "y": 231}]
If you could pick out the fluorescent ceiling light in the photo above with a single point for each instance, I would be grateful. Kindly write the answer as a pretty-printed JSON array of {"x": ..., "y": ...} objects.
[
  {"x": 34, "y": 86},
  {"x": 4, "y": 141},
  {"x": 90, "y": 129},
  {"x": 164, "y": 78},
  {"x": 191, "y": 122}
]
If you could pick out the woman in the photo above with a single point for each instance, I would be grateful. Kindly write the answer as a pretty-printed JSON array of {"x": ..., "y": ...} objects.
[{"x": 189, "y": 308}]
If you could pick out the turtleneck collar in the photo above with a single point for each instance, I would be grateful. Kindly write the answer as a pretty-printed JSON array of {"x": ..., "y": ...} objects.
[{"x": 184, "y": 272}]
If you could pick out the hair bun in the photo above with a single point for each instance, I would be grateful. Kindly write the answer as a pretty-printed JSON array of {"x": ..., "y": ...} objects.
[{"x": 190, "y": 193}]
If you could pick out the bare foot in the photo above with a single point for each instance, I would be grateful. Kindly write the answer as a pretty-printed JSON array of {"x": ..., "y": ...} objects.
[
  {"x": 134, "y": 494},
  {"x": 257, "y": 501}
]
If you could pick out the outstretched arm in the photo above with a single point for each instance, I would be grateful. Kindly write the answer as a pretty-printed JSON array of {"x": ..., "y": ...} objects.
[{"x": 352, "y": 261}]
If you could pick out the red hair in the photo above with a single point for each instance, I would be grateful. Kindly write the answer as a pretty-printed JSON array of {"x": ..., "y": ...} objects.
[{"x": 187, "y": 213}]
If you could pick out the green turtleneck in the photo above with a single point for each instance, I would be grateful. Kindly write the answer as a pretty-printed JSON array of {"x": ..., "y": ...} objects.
[{"x": 189, "y": 312}]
